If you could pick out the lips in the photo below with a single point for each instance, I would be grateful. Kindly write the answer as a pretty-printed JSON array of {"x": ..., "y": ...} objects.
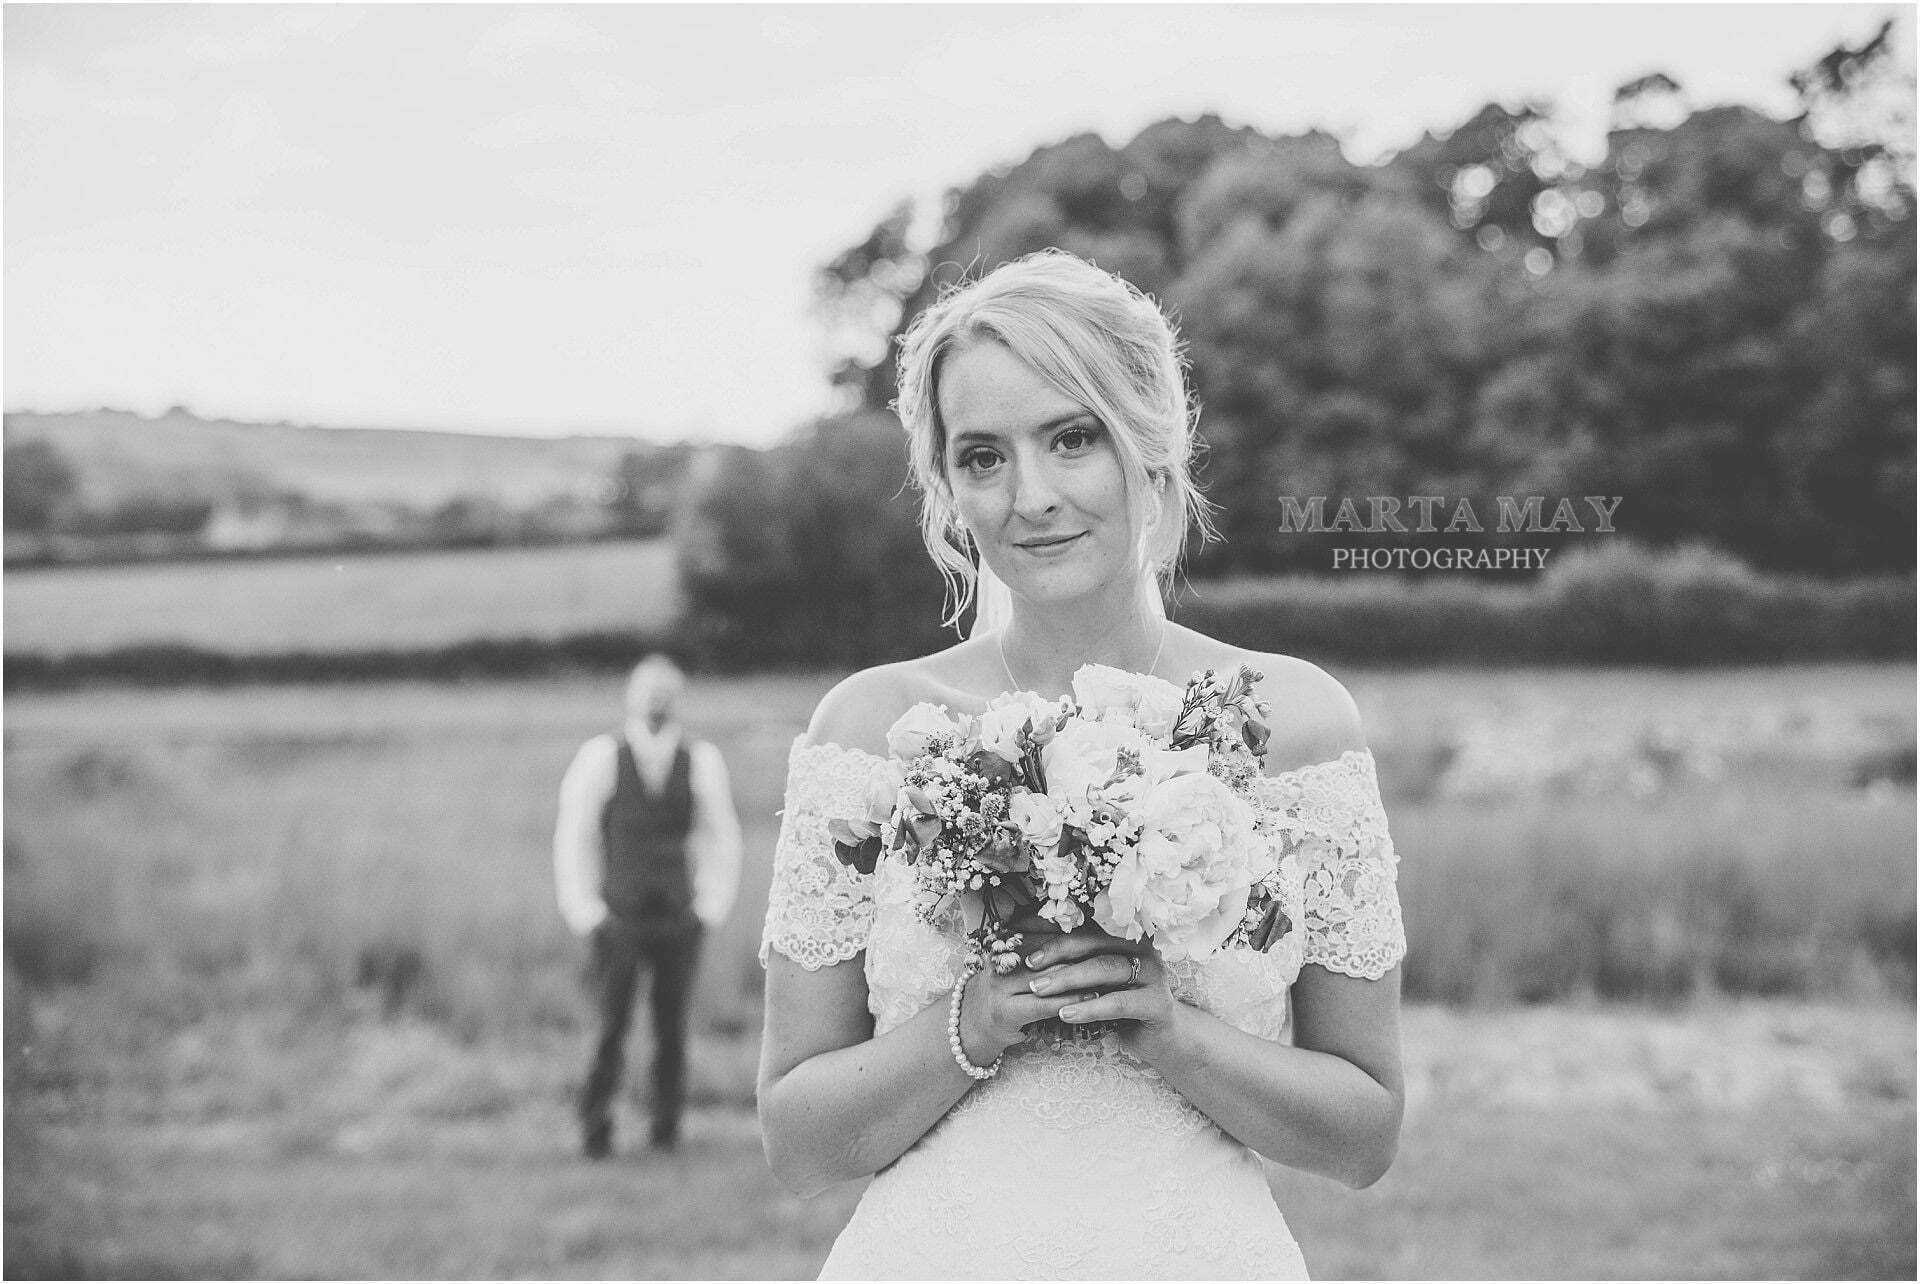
[{"x": 1051, "y": 546}]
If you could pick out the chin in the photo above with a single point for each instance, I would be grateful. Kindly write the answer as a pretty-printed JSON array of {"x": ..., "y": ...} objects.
[{"x": 1068, "y": 586}]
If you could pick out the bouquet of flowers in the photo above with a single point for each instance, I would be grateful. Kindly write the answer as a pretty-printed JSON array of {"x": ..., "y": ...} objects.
[{"x": 1127, "y": 802}]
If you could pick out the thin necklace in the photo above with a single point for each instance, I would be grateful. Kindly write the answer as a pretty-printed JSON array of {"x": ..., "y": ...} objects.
[{"x": 1013, "y": 683}]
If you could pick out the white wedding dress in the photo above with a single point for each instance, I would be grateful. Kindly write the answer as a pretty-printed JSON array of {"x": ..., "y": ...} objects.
[{"x": 1078, "y": 1161}]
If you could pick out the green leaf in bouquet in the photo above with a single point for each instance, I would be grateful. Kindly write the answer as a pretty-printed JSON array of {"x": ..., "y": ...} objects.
[
  {"x": 1007, "y": 900},
  {"x": 1272, "y": 927}
]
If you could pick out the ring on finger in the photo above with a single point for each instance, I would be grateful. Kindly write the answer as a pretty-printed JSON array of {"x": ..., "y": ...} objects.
[{"x": 1133, "y": 965}]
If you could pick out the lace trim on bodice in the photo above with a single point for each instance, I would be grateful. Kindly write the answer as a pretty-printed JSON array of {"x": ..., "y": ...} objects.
[{"x": 1326, "y": 819}]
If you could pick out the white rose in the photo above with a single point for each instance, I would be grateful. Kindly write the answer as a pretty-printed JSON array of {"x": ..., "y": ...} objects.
[
  {"x": 1006, "y": 717},
  {"x": 1084, "y": 755},
  {"x": 1141, "y": 699},
  {"x": 1036, "y": 816},
  {"x": 907, "y": 738},
  {"x": 1185, "y": 884}
]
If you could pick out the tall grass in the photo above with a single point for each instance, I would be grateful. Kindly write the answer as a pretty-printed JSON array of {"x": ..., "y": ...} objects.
[
  {"x": 1725, "y": 891},
  {"x": 338, "y": 850}
]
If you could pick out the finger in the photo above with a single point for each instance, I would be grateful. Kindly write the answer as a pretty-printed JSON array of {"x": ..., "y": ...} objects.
[
  {"x": 1101, "y": 972},
  {"x": 1025, "y": 1009},
  {"x": 1075, "y": 946},
  {"x": 1115, "y": 1005}
]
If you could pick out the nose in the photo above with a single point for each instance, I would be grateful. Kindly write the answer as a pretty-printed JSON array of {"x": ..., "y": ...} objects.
[{"x": 1036, "y": 497}]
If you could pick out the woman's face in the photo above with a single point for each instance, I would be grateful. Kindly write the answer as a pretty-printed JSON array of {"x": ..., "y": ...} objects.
[{"x": 1036, "y": 477}]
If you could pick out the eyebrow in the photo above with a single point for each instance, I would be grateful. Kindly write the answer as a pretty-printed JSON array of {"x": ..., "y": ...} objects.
[{"x": 1058, "y": 421}]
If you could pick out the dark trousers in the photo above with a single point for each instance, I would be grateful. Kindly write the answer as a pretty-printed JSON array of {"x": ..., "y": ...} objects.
[{"x": 622, "y": 948}]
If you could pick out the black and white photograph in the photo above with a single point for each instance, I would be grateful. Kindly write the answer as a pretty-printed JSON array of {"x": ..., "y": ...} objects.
[{"x": 959, "y": 641}]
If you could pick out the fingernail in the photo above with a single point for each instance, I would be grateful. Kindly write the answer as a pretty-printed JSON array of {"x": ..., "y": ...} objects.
[
  {"x": 1041, "y": 986},
  {"x": 1034, "y": 959},
  {"x": 1072, "y": 1012}
]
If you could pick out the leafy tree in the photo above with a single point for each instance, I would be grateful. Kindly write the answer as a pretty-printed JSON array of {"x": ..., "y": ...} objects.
[
  {"x": 1118, "y": 208},
  {"x": 1858, "y": 103},
  {"x": 40, "y": 484},
  {"x": 1500, "y": 178},
  {"x": 645, "y": 486},
  {"x": 811, "y": 551},
  {"x": 1336, "y": 354}
]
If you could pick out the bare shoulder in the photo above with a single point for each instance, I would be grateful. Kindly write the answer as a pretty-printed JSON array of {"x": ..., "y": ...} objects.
[
  {"x": 1314, "y": 719},
  {"x": 861, "y": 709},
  {"x": 856, "y": 713}
]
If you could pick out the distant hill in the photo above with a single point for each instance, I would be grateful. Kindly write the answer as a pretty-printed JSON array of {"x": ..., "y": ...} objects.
[{"x": 117, "y": 454}]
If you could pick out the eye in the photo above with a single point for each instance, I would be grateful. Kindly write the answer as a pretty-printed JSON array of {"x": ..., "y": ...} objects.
[
  {"x": 978, "y": 461},
  {"x": 1078, "y": 439}
]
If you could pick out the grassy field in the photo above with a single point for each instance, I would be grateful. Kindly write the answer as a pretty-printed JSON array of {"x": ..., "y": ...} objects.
[
  {"x": 215, "y": 1069},
  {"x": 1748, "y": 1141},
  {"x": 347, "y": 602}
]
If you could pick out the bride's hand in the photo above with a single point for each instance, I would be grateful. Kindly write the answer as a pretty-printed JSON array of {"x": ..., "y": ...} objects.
[
  {"x": 996, "y": 1010},
  {"x": 1091, "y": 975}
]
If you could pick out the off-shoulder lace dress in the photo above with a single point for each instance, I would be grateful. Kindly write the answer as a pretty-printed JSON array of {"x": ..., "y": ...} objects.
[{"x": 1079, "y": 1161}]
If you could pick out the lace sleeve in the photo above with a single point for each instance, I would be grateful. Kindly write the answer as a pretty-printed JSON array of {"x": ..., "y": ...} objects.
[
  {"x": 818, "y": 910},
  {"x": 1331, "y": 820}
]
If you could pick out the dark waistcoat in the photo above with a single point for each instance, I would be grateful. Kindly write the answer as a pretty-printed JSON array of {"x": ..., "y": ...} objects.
[{"x": 646, "y": 840}]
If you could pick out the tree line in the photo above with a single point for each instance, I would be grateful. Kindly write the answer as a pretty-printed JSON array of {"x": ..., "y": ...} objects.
[{"x": 56, "y": 512}]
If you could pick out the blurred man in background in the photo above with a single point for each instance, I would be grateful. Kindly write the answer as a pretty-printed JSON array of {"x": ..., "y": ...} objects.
[{"x": 646, "y": 856}]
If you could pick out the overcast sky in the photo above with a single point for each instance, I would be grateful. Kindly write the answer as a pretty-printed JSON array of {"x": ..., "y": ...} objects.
[{"x": 604, "y": 218}]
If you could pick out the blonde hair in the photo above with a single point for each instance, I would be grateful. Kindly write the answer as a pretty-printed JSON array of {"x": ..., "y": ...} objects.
[{"x": 1100, "y": 341}]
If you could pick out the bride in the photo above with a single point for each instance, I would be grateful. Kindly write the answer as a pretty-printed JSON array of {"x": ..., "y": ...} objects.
[{"x": 1051, "y": 435}]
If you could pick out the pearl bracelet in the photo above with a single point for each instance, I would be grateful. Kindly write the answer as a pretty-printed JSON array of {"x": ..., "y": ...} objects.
[{"x": 953, "y": 1025}]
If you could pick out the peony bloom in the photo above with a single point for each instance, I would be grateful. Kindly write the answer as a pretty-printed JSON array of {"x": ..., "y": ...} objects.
[
  {"x": 1185, "y": 882},
  {"x": 908, "y": 737},
  {"x": 1084, "y": 756}
]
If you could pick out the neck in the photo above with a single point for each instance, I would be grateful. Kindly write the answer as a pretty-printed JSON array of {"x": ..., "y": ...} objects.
[{"x": 1044, "y": 645}]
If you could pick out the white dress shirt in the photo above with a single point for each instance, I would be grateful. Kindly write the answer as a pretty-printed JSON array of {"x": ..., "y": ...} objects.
[{"x": 713, "y": 841}]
